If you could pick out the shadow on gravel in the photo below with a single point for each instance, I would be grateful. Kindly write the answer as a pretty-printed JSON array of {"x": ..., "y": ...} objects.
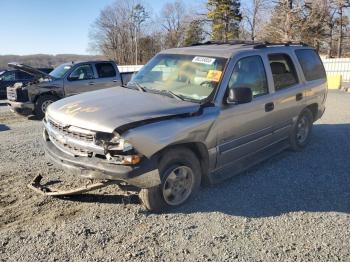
[
  {"x": 104, "y": 199},
  {"x": 4, "y": 128},
  {"x": 314, "y": 180},
  {"x": 35, "y": 118}
]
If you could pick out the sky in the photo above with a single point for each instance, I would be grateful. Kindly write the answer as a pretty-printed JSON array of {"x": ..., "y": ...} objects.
[{"x": 52, "y": 26}]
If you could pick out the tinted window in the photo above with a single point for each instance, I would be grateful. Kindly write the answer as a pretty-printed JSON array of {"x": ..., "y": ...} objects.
[
  {"x": 105, "y": 70},
  {"x": 250, "y": 72},
  {"x": 82, "y": 72},
  {"x": 8, "y": 76},
  {"x": 311, "y": 64},
  {"x": 23, "y": 76},
  {"x": 283, "y": 71}
]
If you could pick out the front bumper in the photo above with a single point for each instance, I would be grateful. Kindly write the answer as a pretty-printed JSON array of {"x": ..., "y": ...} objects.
[
  {"x": 24, "y": 108},
  {"x": 144, "y": 175}
]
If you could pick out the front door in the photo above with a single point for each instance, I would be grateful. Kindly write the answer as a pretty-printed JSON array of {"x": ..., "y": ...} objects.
[
  {"x": 244, "y": 129},
  {"x": 81, "y": 79}
]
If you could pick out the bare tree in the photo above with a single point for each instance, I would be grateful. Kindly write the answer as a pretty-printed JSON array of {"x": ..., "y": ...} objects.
[
  {"x": 253, "y": 13},
  {"x": 173, "y": 16},
  {"x": 116, "y": 31}
]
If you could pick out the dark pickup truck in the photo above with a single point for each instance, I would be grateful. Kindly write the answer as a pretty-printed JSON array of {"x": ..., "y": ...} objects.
[
  {"x": 68, "y": 79},
  {"x": 10, "y": 77}
]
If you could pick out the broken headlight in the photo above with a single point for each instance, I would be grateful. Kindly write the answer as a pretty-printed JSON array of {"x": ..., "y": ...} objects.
[{"x": 118, "y": 150}]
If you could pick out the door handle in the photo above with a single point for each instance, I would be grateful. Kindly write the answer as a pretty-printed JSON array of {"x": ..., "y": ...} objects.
[
  {"x": 115, "y": 80},
  {"x": 299, "y": 97},
  {"x": 269, "y": 107},
  {"x": 91, "y": 83}
]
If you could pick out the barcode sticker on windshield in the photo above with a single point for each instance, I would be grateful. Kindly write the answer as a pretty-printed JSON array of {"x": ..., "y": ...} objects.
[{"x": 203, "y": 60}]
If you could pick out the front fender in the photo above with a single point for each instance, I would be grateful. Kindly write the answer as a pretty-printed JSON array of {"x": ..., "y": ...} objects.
[{"x": 150, "y": 139}]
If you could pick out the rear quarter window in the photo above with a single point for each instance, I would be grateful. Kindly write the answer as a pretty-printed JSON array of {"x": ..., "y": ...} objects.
[
  {"x": 311, "y": 64},
  {"x": 105, "y": 70}
]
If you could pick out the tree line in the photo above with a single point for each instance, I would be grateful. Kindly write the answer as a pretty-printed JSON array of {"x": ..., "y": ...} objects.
[{"x": 128, "y": 32}]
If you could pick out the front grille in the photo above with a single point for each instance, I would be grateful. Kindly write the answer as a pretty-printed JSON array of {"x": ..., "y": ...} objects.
[
  {"x": 65, "y": 131},
  {"x": 72, "y": 149},
  {"x": 17, "y": 94},
  {"x": 11, "y": 93}
]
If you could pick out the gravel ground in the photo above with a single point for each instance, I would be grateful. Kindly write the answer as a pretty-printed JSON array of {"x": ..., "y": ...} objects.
[{"x": 294, "y": 207}]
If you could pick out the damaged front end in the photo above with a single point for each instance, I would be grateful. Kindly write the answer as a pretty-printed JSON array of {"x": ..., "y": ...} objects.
[{"x": 95, "y": 156}]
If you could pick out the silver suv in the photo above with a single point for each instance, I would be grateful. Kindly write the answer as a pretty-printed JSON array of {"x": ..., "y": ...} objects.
[{"x": 196, "y": 114}]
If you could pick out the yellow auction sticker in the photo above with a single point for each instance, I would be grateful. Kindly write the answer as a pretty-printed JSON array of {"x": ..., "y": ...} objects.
[{"x": 214, "y": 75}]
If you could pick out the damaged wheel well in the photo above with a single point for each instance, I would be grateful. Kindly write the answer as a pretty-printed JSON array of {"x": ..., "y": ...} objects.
[
  {"x": 46, "y": 93},
  {"x": 199, "y": 149}
]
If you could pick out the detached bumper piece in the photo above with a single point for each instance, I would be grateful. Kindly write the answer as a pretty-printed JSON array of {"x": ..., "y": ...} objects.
[{"x": 47, "y": 191}]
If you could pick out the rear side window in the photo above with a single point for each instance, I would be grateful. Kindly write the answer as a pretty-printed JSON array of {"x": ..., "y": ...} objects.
[
  {"x": 283, "y": 71},
  {"x": 250, "y": 72},
  {"x": 311, "y": 64},
  {"x": 105, "y": 70}
]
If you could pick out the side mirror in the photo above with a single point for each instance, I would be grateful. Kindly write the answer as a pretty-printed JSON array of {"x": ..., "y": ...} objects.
[{"x": 239, "y": 95}]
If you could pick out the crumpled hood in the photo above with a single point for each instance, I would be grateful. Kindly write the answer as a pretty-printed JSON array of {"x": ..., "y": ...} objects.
[{"x": 107, "y": 109}]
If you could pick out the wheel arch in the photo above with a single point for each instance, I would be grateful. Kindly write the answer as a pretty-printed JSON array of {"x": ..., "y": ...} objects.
[
  {"x": 198, "y": 148},
  {"x": 53, "y": 93},
  {"x": 314, "y": 110}
]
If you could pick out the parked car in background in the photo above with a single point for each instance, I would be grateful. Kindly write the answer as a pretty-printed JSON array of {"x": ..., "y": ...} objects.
[
  {"x": 68, "y": 79},
  {"x": 10, "y": 77},
  {"x": 200, "y": 113}
]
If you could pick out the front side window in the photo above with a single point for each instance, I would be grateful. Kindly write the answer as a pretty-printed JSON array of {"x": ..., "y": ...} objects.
[
  {"x": 8, "y": 76},
  {"x": 187, "y": 76},
  {"x": 283, "y": 71},
  {"x": 311, "y": 64},
  {"x": 250, "y": 72},
  {"x": 105, "y": 70},
  {"x": 83, "y": 72}
]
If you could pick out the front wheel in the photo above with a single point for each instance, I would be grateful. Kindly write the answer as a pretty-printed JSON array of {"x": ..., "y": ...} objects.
[
  {"x": 42, "y": 103},
  {"x": 301, "y": 133},
  {"x": 180, "y": 176}
]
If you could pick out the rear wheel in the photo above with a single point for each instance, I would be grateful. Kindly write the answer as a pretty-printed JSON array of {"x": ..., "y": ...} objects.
[
  {"x": 180, "y": 176},
  {"x": 42, "y": 103},
  {"x": 301, "y": 132}
]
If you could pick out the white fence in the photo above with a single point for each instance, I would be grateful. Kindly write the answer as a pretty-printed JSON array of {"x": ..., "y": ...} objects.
[
  {"x": 129, "y": 68},
  {"x": 338, "y": 66}
]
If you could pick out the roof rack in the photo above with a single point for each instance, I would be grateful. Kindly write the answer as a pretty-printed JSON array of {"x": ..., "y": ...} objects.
[
  {"x": 256, "y": 45},
  {"x": 290, "y": 43},
  {"x": 231, "y": 42}
]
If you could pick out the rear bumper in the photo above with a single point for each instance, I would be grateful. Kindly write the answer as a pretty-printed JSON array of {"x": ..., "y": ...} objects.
[
  {"x": 24, "y": 108},
  {"x": 144, "y": 175}
]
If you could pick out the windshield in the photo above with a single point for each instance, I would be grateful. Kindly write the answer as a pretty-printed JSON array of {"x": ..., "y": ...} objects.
[
  {"x": 60, "y": 71},
  {"x": 186, "y": 76}
]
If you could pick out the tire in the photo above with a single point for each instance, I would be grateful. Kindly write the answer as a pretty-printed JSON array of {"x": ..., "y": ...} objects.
[
  {"x": 180, "y": 173},
  {"x": 42, "y": 103},
  {"x": 302, "y": 129}
]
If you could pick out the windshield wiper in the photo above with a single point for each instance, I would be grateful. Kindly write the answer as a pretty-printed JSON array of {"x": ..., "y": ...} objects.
[
  {"x": 138, "y": 86},
  {"x": 172, "y": 94}
]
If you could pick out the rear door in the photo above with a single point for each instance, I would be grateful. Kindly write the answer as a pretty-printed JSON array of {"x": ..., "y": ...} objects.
[
  {"x": 82, "y": 78},
  {"x": 108, "y": 75},
  {"x": 288, "y": 96}
]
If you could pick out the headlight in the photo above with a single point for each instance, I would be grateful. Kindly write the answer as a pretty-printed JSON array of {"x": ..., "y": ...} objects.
[{"x": 119, "y": 144}]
